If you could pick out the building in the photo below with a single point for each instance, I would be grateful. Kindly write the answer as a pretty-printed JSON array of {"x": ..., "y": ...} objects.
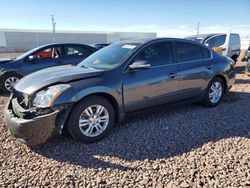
[{"x": 17, "y": 40}]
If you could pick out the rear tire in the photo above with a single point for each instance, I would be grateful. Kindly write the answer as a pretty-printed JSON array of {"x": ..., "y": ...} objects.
[
  {"x": 91, "y": 119},
  {"x": 214, "y": 92},
  {"x": 8, "y": 81}
]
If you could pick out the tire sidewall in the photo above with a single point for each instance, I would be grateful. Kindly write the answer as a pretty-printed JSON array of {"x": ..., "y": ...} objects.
[
  {"x": 207, "y": 101},
  {"x": 76, "y": 112}
]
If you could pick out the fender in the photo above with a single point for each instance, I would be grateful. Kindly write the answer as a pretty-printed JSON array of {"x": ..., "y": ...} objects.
[
  {"x": 10, "y": 71},
  {"x": 113, "y": 95}
]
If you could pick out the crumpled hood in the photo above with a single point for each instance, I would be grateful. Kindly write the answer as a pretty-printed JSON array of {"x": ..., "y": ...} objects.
[
  {"x": 50, "y": 76},
  {"x": 5, "y": 60}
]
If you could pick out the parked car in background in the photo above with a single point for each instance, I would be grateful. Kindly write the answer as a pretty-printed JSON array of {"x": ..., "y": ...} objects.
[
  {"x": 226, "y": 44},
  {"x": 11, "y": 70},
  {"x": 118, "y": 80},
  {"x": 247, "y": 59}
]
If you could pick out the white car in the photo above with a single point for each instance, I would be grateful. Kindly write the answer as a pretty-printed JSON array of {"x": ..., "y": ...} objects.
[{"x": 227, "y": 44}]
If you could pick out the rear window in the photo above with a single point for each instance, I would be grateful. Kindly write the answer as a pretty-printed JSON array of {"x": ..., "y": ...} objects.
[{"x": 188, "y": 51}]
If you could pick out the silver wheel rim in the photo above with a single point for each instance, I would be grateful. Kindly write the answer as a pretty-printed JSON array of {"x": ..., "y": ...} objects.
[
  {"x": 215, "y": 92},
  {"x": 10, "y": 82},
  {"x": 94, "y": 120}
]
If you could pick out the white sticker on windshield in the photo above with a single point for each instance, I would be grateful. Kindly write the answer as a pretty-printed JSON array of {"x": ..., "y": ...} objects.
[{"x": 129, "y": 46}]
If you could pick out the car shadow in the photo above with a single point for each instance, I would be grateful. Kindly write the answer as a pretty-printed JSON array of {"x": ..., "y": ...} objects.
[
  {"x": 2, "y": 94},
  {"x": 242, "y": 81},
  {"x": 240, "y": 68},
  {"x": 157, "y": 134}
]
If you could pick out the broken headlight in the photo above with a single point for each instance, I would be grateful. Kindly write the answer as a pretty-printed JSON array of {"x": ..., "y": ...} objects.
[{"x": 47, "y": 97}]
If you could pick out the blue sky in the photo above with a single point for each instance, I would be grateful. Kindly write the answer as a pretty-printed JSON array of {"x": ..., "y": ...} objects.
[{"x": 167, "y": 18}]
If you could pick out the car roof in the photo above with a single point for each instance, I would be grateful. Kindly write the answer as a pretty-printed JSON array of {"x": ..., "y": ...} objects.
[
  {"x": 64, "y": 43},
  {"x": 208, "y": 35},
  {"x": 149, "y": 40}
]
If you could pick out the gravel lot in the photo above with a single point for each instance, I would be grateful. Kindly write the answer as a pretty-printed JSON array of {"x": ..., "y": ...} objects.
[{"x": 182, "y": 146}]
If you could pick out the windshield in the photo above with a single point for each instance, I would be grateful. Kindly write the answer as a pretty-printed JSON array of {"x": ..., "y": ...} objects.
[
  {"x": 110, "y": 57},
  {"x": 27, "y": 53}
]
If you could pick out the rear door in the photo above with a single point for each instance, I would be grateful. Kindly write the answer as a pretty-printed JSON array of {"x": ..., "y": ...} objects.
[
  {"x": 194, "y": 68},
  {"x": 234, "y": 45},
  {"x": 73, "y": 54},
  {"x": 156, "y": 85}
]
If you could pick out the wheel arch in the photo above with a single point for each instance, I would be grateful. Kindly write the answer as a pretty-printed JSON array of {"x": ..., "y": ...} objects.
[
  {"x": 234, "y": 57},
  {"x": 106, "y": 96},
  {"x": 223, "y": 78},
  {"x": 110, "y": 98},
  {"x": 3, "y": 73}
]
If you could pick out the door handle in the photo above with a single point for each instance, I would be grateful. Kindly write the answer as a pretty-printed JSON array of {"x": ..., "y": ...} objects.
[
  {"x": 172, "y": 75},
  {"x": 209, "y": 67}
]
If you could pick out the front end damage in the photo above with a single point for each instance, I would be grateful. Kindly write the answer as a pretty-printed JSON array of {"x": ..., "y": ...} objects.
[{"x": 34, "y": 126}]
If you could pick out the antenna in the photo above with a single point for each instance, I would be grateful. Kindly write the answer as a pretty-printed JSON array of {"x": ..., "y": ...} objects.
[
  {"x": 198, "y": 28},
  {"x": 54, "y": 28}
]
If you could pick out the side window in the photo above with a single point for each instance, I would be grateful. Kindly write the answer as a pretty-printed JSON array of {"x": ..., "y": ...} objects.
[
  {"x": 76, "y": 51},
  {"x": 44, "y": 54},
  {"x": 48, "y": 53},
  {"x": 216, "y": 41},
  {"x": 156, "y": 54},
  {"x": 188, "y": 51}
]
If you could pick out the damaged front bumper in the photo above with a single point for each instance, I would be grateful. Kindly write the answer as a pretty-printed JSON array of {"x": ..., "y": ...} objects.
[{"x": 34, "y": 127}]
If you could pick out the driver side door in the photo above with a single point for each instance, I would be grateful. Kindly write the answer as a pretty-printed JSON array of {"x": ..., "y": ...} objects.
[
  {"x": 144, "y": 88},
  {"x": 45, "y": 58}
]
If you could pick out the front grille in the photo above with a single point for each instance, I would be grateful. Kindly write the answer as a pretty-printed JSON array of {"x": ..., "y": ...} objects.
[{"x": 22, "y": 99}]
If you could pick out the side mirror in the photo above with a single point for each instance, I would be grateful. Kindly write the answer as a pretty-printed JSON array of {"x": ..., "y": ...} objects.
[
  {"x": 139, "y": 65},
  {"x": 32, "y": 58}
]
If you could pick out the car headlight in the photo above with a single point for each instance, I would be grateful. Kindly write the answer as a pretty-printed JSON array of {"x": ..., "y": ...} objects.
[{"x": 46, "y": 98}]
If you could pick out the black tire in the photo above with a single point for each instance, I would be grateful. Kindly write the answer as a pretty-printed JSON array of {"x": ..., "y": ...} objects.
[
  {"x": 235, "y": 59},
  {"x": 207, "y": 101},
  {"x": 5, "y": 77},
  {"x": 75, "y": 114}
]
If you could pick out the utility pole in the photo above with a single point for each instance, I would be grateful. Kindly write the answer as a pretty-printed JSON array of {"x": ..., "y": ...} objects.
[
  {"x": 54, "y": 28},
  {"x": 198, "y": 28}
]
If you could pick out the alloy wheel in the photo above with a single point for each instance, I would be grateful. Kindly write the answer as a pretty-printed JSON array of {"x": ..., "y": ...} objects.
[
  {"x": 94, "y": 120},
  {"x": 215, "y": 92},
  {"x": 10, "y": 82}
]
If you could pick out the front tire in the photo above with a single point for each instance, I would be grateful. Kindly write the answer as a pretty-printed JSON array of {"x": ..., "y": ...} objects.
[
  {"x": 91, "y": 119},
  {"x": 215, "y": 92}
]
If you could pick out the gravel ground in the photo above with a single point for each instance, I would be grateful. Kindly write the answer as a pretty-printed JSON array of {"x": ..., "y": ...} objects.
[{"x": 181, "y": 146}]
